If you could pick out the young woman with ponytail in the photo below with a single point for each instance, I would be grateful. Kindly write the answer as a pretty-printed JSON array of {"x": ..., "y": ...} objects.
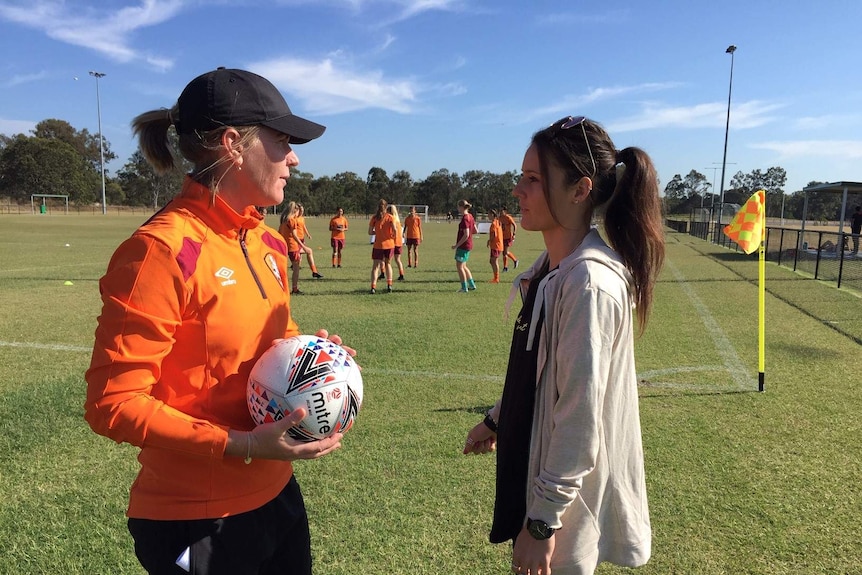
[{"x": 571, "y": 491}]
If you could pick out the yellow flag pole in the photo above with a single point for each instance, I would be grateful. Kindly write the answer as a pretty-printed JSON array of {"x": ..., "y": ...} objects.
[{"x": 761, "y": 305}]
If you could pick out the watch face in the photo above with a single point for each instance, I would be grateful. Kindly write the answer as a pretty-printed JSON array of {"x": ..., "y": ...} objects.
[{"x": 539, "y": 529}]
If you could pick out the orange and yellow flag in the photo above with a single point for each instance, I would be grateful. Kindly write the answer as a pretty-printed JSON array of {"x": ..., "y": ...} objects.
[{"x": 746, "y": 227}]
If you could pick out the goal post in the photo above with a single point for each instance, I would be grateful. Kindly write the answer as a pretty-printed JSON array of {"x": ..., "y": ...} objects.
[
  {"x": 48, "y": 201},
  {"x": 404, "y": 210}
]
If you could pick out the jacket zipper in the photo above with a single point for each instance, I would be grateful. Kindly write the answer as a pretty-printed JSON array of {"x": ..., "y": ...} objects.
[{"x": 248, "y": 261}]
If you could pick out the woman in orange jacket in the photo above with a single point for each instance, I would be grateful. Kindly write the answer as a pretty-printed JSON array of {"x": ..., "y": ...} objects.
[{"x": 190, "y": 301}]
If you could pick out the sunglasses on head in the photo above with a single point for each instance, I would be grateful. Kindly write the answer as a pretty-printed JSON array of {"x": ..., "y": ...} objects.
[{"x": 570, "y": 122}]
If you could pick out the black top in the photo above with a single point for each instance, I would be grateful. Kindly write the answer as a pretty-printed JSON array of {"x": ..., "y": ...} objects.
[{"x": 516, "y": 421}]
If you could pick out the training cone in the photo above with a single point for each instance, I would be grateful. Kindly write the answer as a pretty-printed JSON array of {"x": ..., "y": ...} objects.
[{"x": 68, "y": 283}]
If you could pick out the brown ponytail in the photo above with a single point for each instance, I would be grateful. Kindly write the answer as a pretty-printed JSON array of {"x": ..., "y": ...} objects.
[
  {"x": 381, "y": 210},
  {"x": 633, "y": 224},
  {"x": 151, "y": 128},
  {"x": 202, "y": 149}
]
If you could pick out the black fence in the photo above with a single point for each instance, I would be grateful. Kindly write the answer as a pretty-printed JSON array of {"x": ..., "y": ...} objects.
[{"x": 827, "y": 256}]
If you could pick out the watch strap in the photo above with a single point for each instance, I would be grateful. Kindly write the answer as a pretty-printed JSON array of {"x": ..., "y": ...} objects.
[{"x": 489, "y": 422}]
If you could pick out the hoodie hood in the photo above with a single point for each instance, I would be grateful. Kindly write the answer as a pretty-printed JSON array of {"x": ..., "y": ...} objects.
[{"x": 592, "y": 249}]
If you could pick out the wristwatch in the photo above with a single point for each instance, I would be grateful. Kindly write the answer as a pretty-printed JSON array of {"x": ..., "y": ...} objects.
[
  {"x": 538, "y": 529},
  {"x": 489, "y": 421}
]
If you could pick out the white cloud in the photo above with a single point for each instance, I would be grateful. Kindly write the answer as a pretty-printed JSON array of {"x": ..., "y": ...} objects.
[
  {"x": 709, "y": 115},
  {"x": 407, "y": 9},
  {"x": 452, "y": 89},
  {"x": 326, "y": 87},
  {"x": 413, "y": 7},
  {"x": 562, "y": 19},
  {"x": 106, "y": 32},
  {"x": 575, "y": 103},
  {"x": 833, "y": 149},
  {"x": 387, "y": 41},
  {"x": 25, "y": 79},
  {"x": 825, "y": 121}
]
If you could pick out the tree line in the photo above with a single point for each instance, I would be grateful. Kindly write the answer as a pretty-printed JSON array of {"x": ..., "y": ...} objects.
[
  {"x": 58, "y": 159},
  {"x": 682, "y": 195}
]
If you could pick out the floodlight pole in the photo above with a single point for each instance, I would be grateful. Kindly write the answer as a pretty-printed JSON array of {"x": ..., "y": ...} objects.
[
  {"x": 711, "y": 192},
  {"x": 98, "y": 75},
  {"x": 730, "y": 50}
]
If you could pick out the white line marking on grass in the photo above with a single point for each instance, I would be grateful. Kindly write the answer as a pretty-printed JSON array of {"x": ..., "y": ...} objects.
[
  {"x": 59, "y": 266},
  {"x": 647, "y": 375},
  {"x": 391, "y": 372},
  {"x": 675, "y": 370},
  {"x": 48, "y": 346},
  {"x": 732, "y": 363},
  {"x": 463, "y": 376},
  {"x": 651, "y": 378}
]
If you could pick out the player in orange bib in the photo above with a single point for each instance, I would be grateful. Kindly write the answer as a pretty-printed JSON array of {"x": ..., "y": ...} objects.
[
  {"x": 509, "y": 227},
  {"x": 413, "y": 233},
  {"x": 302, "y": 232},
  {"x": 382, "y": 227},
  {"x": 290, "y": 233},
  {"x": 495, "y": 244},
  {"x": 399, "y": 240},
  {"x": 337, "y": 227}
]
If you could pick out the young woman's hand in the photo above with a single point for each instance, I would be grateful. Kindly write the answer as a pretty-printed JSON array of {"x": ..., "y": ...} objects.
[
  {"x": 531, "y": 556},
  {"x": 480, "y": 440}
]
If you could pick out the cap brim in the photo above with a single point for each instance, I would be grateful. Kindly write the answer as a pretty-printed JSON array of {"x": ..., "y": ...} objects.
[{"x": 299, "y": 129}]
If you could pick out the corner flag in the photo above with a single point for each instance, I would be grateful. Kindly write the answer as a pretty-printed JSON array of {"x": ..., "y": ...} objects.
[{"x": 746, "y": 227}]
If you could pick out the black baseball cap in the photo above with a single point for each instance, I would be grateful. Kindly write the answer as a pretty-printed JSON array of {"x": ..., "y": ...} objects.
[{"x": 231, "y": 97}]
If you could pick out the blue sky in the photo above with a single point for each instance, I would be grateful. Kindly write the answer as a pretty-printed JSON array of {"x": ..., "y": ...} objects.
[{"x": 421, "y": 85}]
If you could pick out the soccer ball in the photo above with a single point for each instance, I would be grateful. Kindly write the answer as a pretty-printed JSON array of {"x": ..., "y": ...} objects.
[{"x": 311, "y": 372}]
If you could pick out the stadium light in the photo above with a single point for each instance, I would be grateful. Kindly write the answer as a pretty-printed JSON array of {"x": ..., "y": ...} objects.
[
  {"x": 730, "y": 50},
  {"x": 712, "y": 189},
  {"x": 98, "y": 75}
]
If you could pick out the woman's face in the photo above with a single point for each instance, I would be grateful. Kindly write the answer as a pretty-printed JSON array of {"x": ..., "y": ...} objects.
[
  {"x": 535, "y": 213},
  {"x": 266, "y": 167}
]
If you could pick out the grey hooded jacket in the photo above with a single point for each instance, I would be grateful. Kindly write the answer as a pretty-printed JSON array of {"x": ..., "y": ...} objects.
[{"x": 586, "y": 469}]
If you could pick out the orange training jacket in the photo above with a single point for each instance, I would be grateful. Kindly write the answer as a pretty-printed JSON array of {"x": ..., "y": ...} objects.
[
  {"x": 190, "y": 301},
  {"x": 495, "y": 236},
  {"x": 384, "y": 232}
]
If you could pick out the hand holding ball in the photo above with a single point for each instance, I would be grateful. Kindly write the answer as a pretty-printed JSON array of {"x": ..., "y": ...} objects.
[{"x": 307, "y": 372}]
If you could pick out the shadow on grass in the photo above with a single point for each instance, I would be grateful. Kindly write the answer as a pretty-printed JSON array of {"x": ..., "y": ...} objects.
[
  {"x": 648, "y": 391},
  {"x": 480, "y": 409},
  {"x": 734, "y": 256},
  {"x": 802, "y": 351}
]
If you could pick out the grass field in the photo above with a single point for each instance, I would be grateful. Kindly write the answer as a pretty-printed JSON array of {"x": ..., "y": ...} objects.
[{"x": 740, "y": 482}]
